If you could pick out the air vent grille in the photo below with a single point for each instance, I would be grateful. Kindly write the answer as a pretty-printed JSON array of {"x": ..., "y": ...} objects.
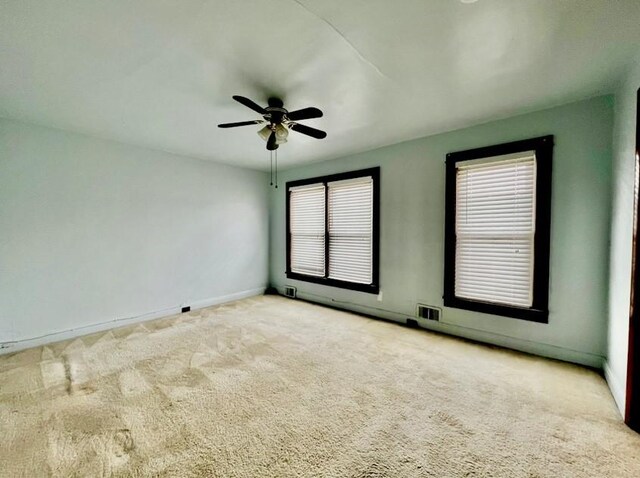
[
  {"x": 428, "y": 312},
  {"x": 290, "y": 292}
]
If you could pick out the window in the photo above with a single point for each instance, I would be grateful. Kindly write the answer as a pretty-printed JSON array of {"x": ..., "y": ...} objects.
[
  {"x": 498, "y": 208},
  {"x": 332, "y": 230}
]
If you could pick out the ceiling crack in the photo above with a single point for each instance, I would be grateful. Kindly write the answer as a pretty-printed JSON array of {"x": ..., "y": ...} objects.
[{"x": 335, "y": 29}]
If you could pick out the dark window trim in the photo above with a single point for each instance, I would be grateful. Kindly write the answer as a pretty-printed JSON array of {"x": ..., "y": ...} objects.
[
  {"x": 539, "y": 311},
  {"x": 372, "y": 288}
]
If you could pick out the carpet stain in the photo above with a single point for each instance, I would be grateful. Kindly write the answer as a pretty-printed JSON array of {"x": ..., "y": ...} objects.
[{"x": 124, "y": 441}]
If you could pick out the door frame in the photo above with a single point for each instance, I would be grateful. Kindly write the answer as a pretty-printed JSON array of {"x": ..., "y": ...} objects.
[{"x": 632, "y": 405}]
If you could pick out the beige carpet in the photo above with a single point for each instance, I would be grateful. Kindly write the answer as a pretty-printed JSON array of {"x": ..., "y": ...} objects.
[{"x": 279, "y": 388}]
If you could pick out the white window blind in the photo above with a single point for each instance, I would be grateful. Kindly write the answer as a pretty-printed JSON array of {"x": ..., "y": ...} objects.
[
  {"x": 307, "y": 228},
  {"x": 495, "y": 229},
  {"x": 351, "y": 230}
]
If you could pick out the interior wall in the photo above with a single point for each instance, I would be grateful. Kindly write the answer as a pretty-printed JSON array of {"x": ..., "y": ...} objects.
[
  {"x": 412, "y": 232},
  {"x": 93, "y": 231},
  {"x": 624, "y": 140}
]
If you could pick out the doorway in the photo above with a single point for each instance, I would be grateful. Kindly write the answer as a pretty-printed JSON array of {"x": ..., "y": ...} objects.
[{"x": 632, "y": 411}]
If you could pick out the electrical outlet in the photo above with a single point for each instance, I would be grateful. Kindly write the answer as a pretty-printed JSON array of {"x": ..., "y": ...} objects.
[{"x": 380, "y": 296}]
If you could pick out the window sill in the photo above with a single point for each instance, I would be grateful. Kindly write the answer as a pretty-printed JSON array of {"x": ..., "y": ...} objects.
[
  {"x": 367, "y": 288},
  {"x": 531, "y": 315}
]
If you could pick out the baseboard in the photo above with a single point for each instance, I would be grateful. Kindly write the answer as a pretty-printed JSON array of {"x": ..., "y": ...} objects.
[
  {"x": 616, "y": 387},
  {"x": 18, "y": 345},
  {"x": 534, "y": 348}
]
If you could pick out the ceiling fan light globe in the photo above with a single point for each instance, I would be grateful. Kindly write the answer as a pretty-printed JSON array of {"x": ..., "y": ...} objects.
[
  {"x": 264, "y": 133},
  {"x": 281, "y": 133}
]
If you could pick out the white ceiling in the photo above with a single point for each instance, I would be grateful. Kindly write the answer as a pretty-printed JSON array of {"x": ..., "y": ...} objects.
[{"x": 161, "y": 73}]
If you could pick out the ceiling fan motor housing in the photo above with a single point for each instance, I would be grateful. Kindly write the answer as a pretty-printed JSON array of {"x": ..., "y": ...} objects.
[
  {"x": 275, "y": 115},
  {"x": 275, "y": 111}
]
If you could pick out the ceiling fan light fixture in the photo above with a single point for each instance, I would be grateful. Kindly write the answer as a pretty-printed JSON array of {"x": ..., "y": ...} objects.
[
  {"x": 282, "y": 132},
  {"x": 265, "y": 132}
]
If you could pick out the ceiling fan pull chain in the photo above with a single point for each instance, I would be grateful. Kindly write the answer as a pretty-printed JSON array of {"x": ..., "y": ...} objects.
[
  {"x": 271, "y": 170},
  {"x": 276, "y": 169}
]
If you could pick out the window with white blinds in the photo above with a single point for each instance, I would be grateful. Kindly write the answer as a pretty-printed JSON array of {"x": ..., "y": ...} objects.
[
  {"x": 351, "y": 230},
  {"x": 307, "y": 229},
  {"x": 495, "y": 222},
  {"x": 498, "y": 229},
  {"x": 333, "y": 231}
]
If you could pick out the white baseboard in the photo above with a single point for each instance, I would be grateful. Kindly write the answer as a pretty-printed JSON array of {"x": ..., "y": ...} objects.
[
  {"x": 534, "y": 348},
  {"x": 617, "y": 388},
  {"x": 16, "y": 346}
]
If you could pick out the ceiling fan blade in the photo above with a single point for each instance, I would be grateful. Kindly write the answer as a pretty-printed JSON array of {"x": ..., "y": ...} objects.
[
  {"x": 304, "y": 113},
  {"x": 271, "y": 142},
  {"x": 314, "y": 133},
  {"x": 241, "y": 123},
  {"x": 250, "y": 104}
]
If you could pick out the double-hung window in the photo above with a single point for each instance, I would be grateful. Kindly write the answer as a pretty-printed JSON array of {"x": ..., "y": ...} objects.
[
  {"x": 332, "y": 230},
  {"x": 497, "y": 229}
]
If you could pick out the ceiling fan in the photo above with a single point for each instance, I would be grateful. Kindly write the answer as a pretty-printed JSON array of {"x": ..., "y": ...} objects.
[{"x": 278, "y": 121}]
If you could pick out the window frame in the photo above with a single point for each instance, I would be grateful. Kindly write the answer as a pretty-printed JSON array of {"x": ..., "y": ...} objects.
[
  {"x": 539, "y": 311},
  {"x": 372, "y": 288}
]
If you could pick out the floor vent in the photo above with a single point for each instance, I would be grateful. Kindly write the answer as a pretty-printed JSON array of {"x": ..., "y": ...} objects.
[
  {"x": 427, "y": 312},
  {"x": 290, "y": 292}
]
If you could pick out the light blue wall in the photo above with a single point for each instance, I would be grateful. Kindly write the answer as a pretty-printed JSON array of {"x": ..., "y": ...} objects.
[
  {"x": 624, "y": 140},
  {"x": 92, "y": 231},
  {"x": 412, "y": 231}
]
